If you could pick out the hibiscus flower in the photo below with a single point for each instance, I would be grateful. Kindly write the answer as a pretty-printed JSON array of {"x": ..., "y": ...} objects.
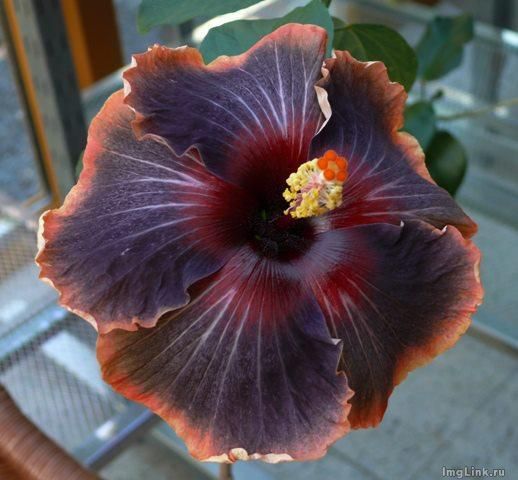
[{"x": 263, "y": 253}]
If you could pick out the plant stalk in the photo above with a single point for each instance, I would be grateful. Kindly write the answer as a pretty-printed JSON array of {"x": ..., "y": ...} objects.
[
  {"x": 225, "y": 471},
  {"x": 478, "y": 111},
  {"x": 422, "y": 89}
]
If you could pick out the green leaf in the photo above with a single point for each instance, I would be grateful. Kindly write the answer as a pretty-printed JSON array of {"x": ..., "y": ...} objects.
[
  {"x": 441, "y": 47},
  {"x": 173, "y": 12},
  {"x": 236, "y": 37},
  {"x": 447, "y": 161},
  {"x": 420, "y": 121},
  {"x": 338, "y": 23},
  {"x": 376, "y": 42}
]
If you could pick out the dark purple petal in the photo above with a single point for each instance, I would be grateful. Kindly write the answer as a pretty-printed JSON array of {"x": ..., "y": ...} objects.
[
  {"x": 252, "y": 117},
  {"x": 397, "y": 297},
  {"x": 246, "y": 370},
  {"x": 388, "y": 179},
  {"x": 138, "y": 229}
]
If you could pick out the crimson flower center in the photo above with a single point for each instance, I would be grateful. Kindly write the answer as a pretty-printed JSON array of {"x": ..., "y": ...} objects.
[{"x": 278, "y": 236}]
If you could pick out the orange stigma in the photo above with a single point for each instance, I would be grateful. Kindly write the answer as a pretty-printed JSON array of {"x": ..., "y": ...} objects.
[
  {"x": 316, "y": 187},
  {"x": 333, "y": 166}
]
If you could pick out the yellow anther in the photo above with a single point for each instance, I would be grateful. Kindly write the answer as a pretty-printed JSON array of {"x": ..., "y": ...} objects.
[{"x": 317, "y": 186}]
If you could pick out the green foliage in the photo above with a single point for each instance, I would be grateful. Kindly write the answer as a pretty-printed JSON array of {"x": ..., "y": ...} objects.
[
  {"x": 236, "y": 37},
  {"x": 420, "y": 121},
  {"x": 376, "y": 42},
  {"x": 447, "y": 161},
  {"x": 338, "y": 23},
  {"x": 173, "y": 12},
  {"x": 440, "y": 50}
]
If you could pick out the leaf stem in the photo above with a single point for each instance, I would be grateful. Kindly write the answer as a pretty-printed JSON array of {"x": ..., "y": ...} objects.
[
  {"x": 478, "y": 111},
  {"x": 422, "y": 89},
  {"x": 225, "y": 471}
]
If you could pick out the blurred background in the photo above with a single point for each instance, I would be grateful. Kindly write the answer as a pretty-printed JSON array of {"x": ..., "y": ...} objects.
[{"x": 59, "y": 60}]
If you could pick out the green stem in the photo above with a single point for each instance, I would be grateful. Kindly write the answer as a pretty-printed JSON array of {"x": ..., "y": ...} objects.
[
  {"x": 225, "y": 471},
  {"x": 327, "y": 2},
  {"x": 478, "y": 111},
  {"x": 422, "y": 89}
]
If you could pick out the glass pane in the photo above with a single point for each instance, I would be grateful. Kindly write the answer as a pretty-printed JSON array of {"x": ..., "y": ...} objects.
[
  {"x": 131, "y": 40},
  {"x": 21, "y": 294},
  {"x": 20, "y": 178}
]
